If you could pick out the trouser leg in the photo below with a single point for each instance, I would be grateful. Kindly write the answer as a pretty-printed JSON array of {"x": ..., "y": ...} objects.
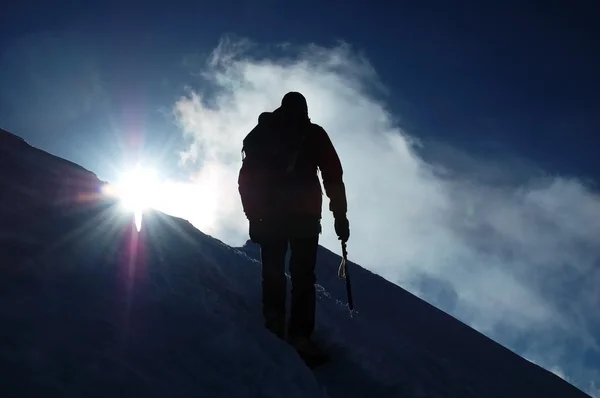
[
  {"x": 274, "y": 284},
  {"x": 302, "y": 269}
]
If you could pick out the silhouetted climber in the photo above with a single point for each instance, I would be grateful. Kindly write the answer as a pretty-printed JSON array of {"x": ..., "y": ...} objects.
[{"x": 282, "y": 198}]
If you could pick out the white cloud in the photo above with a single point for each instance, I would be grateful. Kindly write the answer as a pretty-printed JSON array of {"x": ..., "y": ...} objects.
[{"x": 515, "y": 254}]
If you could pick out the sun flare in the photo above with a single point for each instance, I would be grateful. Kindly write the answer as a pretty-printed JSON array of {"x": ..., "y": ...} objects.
[
  {"x": 197, "y": 201},
  {"x": 137, "y": 190}
]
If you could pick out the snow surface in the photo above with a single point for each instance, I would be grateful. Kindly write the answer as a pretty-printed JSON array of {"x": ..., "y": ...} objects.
[{"x": 89, "y": 307}]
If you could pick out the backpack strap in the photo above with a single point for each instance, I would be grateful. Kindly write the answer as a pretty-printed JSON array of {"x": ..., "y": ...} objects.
[{"x": 295, "y": 154}]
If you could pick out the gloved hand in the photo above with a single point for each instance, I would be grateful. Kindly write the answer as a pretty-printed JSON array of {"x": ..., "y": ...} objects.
[{"x": 342, "y": 228}]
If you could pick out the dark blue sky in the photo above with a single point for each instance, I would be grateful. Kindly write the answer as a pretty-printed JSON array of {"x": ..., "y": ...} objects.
[{"x": 512, "y": 78}]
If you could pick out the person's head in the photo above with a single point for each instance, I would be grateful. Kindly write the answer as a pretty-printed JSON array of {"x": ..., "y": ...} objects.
[{"x": 294, "y": 104}]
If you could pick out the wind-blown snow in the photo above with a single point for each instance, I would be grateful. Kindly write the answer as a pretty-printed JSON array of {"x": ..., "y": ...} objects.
[{"x": 90, "y": 307}]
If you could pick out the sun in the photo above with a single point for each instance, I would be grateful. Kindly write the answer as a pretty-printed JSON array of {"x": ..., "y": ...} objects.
[
  {"x": 196, "y": 200},
  {"x": 137, "y": 190},
  {"x": 138, "y": 187}
]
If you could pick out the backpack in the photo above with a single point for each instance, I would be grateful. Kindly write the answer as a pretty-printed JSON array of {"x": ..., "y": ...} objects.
[{"x": 269, "y": 156}]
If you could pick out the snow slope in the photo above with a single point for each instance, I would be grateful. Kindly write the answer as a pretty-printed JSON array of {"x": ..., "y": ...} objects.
[{"x": 89, "y": 307}]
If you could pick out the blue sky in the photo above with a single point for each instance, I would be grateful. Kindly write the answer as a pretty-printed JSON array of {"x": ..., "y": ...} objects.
[
  {"x": 505, "y": 77},
  {"x": 501, "y": 100}
]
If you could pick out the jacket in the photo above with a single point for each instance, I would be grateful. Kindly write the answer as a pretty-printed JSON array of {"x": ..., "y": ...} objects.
[{"x": 272, "y": 188}]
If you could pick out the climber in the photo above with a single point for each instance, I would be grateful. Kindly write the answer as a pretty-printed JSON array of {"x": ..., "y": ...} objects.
[{"x": 282, "y": 198}]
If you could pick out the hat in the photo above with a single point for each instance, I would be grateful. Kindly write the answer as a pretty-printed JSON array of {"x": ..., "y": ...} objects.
[{"x": 294, "y": 102}]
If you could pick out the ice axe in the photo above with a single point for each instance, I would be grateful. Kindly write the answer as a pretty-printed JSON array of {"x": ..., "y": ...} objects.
[{"x": 343, "y": 274}]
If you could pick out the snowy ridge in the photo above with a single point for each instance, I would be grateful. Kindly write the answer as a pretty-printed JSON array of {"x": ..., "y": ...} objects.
[{"x": 90, "y": 307}]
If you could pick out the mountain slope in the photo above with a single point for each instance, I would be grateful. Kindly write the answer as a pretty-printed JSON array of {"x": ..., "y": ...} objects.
[{"x": 90, "y": 307}]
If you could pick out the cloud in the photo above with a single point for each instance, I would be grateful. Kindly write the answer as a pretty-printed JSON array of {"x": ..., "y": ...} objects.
[{"x": 506, "y": 248}]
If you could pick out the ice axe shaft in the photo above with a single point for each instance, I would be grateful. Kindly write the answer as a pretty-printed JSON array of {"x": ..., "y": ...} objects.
[{"x": 344, "y": 274}]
